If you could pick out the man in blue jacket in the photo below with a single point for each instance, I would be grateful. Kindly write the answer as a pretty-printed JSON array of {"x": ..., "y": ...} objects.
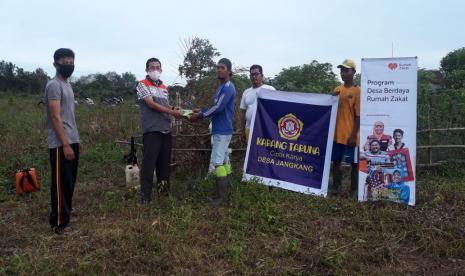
[{"x": 221, "y": 114}]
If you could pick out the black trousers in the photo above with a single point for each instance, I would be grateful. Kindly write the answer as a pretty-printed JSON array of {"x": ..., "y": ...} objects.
[
  {"x": 156, "y": 157},
  {"x": 64, "y": 174}
]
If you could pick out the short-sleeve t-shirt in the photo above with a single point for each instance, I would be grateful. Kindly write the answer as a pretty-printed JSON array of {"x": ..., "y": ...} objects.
[
  {"x": 151, "y": 119},
  {"x": 249, "y": 101},
  {"x": 348, "y": 109},
  {"x": 61, "y": 90}
]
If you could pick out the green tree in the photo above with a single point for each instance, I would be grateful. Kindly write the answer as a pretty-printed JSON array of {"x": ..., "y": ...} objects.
[
  {"x": 358, "y": 79},
  {"x": 7, "y": 76},
  {"x": 105, "y": 85},
  {"x": 198, "y": 59},
  {"x": 453, "y": 68},
  {"x": 18, "y": 80},
  {"x": 313, "y": 77},
  {"x": 37, "y": 81},
  {"x": 128, "y": 80},
  {"x": 198, "y": 68}
]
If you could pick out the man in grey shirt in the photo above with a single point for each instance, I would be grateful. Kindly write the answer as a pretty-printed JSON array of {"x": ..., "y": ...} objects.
[{"x": 63, "y": 140}]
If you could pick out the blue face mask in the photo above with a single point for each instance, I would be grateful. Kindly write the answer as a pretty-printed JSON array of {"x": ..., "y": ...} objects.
[{"x": 65, "y": 70}]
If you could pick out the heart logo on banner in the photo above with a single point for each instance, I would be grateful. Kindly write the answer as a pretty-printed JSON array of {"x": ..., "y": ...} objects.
[{"x": 392, "y": 66}]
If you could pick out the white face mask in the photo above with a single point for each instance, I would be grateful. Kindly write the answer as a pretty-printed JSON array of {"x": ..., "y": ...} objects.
[{"x": 154, "y": 75}]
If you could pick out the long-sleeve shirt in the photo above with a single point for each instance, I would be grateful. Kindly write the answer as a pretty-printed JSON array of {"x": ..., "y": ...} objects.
[{"x": 222, "y": 112}]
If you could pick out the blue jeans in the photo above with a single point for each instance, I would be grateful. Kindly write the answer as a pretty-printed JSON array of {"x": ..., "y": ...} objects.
[{"x": 220, "y": 145}]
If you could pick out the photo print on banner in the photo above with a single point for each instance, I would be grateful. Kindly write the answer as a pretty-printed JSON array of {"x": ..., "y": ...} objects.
[{"x": 388, "y": 130}]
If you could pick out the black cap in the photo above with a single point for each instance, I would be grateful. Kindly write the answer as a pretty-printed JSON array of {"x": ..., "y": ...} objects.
[{"x": 226, "y": 62}]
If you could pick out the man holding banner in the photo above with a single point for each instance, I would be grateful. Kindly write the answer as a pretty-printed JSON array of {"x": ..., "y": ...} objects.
[
  {"x": 347, "y": 127},
  {"x": 249, "y": 98}
]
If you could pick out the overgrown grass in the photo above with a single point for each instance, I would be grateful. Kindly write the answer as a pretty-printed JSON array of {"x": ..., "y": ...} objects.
[{"x": 260, "y": 232}]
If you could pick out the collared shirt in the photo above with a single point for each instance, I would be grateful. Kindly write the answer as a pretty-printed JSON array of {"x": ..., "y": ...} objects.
[{"x": 151, "y": 119}]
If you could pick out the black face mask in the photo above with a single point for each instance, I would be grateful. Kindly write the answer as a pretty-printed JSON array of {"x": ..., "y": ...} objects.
[{"x": 65, "y": 70}]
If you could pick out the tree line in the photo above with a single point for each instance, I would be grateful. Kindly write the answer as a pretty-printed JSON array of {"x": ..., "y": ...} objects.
[
  {"x": 14, "y": 79},
  {"x": 198, "y": 69}
]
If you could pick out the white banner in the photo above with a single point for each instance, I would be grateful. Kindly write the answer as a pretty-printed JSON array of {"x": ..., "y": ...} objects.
[{"x": 388, "y": 123}]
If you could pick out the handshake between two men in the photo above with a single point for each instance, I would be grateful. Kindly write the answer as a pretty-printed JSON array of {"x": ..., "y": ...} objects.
[{"x": 189, "y": 114}]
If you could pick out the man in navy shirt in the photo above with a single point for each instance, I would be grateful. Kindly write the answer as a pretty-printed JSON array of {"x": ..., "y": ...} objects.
[{"x": 221, "y": 114}]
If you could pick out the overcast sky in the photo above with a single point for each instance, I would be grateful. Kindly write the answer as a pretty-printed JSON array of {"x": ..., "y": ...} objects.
[{"x": 120, "y": 35}]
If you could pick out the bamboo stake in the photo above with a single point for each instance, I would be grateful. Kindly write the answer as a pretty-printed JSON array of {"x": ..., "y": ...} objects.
[
  {"x": 244, "y": 149},
  {"x": 440, "y": 146},
  {"x": 440, "y": 129},
  {"x": 177, "y": 149}
]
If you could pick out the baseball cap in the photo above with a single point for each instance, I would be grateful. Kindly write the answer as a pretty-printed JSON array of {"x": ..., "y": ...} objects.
[
  {"x": 348, "y": 63},
  {"x": 226, "y": 62}
]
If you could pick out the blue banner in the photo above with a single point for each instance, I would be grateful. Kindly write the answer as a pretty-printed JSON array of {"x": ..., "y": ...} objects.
[{"x": 291, "y": 140}]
